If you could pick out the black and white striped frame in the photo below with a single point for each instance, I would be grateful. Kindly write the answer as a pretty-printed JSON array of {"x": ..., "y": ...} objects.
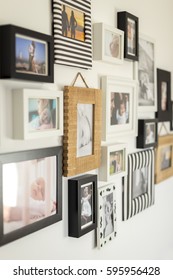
[
  {"x": 69, "y": 51},
  {"x": 133, "y": 206}
]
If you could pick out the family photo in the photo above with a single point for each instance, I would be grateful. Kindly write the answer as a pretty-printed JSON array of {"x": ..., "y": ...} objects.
[
  {"x": 31, "y": 56},
  {"x": 150, "y": 133},
  {"x": 116, "y": 162},
  {"x": 140, "y": 181},
  {"x": 86, "y": 205},
  {"x": 119, "y": 108},
  {"x": 73, "y": 23},
  {"x": 112, "y": 44}
]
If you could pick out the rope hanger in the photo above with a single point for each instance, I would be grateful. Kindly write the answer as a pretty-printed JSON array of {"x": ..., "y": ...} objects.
[{"x": 77, "y": 75}]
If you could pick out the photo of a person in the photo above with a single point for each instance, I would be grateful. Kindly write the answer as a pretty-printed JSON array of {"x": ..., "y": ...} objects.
[
  {"x": 86, "y": 205},
  {"x": 164, "y": 96},
  {"x": 41, "y": 115},
  {"x": 119, "y": 108},
  {"x": 150, "y": 133},
  {"x": 84, "y": 129},
  {"x": 73, "y": 25},
  {"x": 140, "y": 182},
  {"x": 112, "y": 44},
  {"x": 108, "y": 227},
  {"x": 116, "y": 162},
  {"x": 131, "y": 36},
  {"x": 65, "y": 22},
  {"x": 31, "y": 51},
  {"x": 166, "y": 157}
]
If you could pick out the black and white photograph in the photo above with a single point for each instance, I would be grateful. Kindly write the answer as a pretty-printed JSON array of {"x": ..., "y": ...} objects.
[
  {"x": 166, "y": 156},
  {"x": 119, "y": 108},
  {"x": 131, "y": 36},
  {"x": 112, "y": 44},
  {"x": 84, "y": 130},
  {"x": 116, "y": 162},
  {"x": 108, "y": 215},
  {"x": 146, "y": 73},
  {"x": 140, "y": 181},
  {"x": 150, "y": 133},
  {"x": 86, "y": 205}
]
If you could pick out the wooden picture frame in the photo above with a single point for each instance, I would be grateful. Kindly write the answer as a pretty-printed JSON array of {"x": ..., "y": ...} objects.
[
  {"x": 108, "y": 44},
  {"x": 138, "y": 187},
  {"x": 147, "y": 133},
  {"x": 129, "y": 24},
  {"x": 82, "y": 204},
  {"x": 107, "y": 216},
  {"x": 37, "y": 113},
  {"x": 164, "y": 158},
  {"x": 118, "y": 93},
  {"x": 29, "y": 206},
  {"x": 72, "y": 31},
  {"x": 113, "y": 163},
  {"x": 82, "y": 130},
  {"x": 164, "y": 112},
  {"x": 26, "y": 54}
]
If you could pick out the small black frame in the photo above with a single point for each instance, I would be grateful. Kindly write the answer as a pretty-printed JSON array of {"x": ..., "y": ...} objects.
[
  {"x": 29, "y": 165},
  {"x": 75, "y": 202},
  {"x": 129, "y": 24},
  {"x": 19, "y": 64},
  {"x": 147, "y": 133},
  {"x": 164, "y": 112}
]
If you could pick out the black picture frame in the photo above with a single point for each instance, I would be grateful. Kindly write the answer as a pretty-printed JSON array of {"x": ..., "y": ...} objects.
[
  {"x": 147, "y": 133},
  {"x": 130, "y": 25},
  {"x": 76, "y": 185},
  {"x": 17, "y": 53},
  {"x": 72, "y": 49},
  {"x": 171, "y": 121},
  {"x": 164, "y": 112},
  {"x": 38, "y": 167}
]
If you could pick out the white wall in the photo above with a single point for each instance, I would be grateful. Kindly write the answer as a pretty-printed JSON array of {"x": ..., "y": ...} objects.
[{"x": 149, "y": 234}]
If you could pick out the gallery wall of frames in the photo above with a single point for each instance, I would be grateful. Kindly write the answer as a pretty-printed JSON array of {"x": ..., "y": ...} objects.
[{"x": 86, "y": 131}]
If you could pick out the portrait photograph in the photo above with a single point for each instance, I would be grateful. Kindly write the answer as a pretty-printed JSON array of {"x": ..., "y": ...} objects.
[
  {"x": 29, "y": 193},
  {"x": 41, "y": 114},
  {"x": 146, "y": 73},
  {"x": 84, "y": 130},
  {"x": 119, "y": 108},
  {"x": 164, "y": 96},
  {"x": 131, "y": 36},
  {"x": 86, "y": 205},
  {"x": 140, "y": 181},
  {"x": 150, "y": 132},
  {"x": 108, "y": 225},
  {"x": 31, "y": 55},
  {"x": 166, "y": 157},
  {"x": 112, "y": 44},
  {"x": 73, "y": 23},
  {"x": 116, "y": 162}
]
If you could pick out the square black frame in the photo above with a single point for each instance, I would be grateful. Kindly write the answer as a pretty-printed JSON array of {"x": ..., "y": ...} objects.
[
  {"x": 140, "y": 141},
  {"x": 16, "y": 157},
  {"x": 163, "y": 76},
  {"x": 8, "y": 55},
  {"x": 74, "y": 205},
  {"x": 122, "y": 18}
]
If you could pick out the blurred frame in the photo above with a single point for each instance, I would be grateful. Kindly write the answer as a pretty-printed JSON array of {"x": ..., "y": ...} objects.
[{"x": 147, "y": 133}]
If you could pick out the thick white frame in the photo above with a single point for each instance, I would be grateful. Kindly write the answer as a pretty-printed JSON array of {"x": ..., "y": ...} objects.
[
  {"x": 104, "y": 170},
  {"x": 99, "y": 30},
  {"x": 116, "y": 84},
  {"x": 136, "y": 65},
  {"x": 20, "y": 113},
  {"x": 103, "y": 191}
]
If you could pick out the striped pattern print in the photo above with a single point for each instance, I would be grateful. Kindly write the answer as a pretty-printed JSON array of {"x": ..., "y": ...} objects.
[
  {"x": 137, "y": 161},
  {"x": 69, "y": 51}
]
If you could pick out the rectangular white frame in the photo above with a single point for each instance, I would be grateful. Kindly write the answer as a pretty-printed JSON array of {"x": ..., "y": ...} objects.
[
  {"x": 20, "y": 113},
  {"x": 103, "y": 191},
  {"x": 142, "y": 108},
  {"x": 116, "y": 84},
  {"x": 104, "y": 170},
  {"x": 99, "y": 30}
]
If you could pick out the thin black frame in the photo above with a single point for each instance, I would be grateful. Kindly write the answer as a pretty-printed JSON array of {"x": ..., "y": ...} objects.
[
  {"x": 8, "y": 55},
  {"x": 24, "y": 156},
  {"x": 69, "y": 51},
  {"x": 171, "y": 121},
  {"x": 122, "y": 22},
  {"x": 164, "y": 76},
  {"x": 141, "y": 138},
  {"x": 74, "y": 205}
]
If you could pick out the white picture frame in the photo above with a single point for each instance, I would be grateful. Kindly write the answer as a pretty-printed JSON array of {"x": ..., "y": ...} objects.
[
  {"x": 107, "y": 222},
  {"x": 145, "y": 75},
  {"x": 114, "y": 162},
  {"x": 115, "y": 125},
  {"x": 37, "y": 113},
  {"x": 108, "y": 43}
]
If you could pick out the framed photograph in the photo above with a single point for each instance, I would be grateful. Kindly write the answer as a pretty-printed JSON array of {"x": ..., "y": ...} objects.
[
  {"x": 164, "y": 158},
  {"x": 119, "y": 107},
  {"x": 171, "y": 122},
  {"x": 72, "y": 33},
  {"x": 82, "y": 130},
  {"x": 147, "y": 133},
  {"x": 108, "y": 43},
  {"x": 129, "y": 24},
  {"x": 82, "y": 204},
  {"x": 164, "y": 112},
  {"x": 113, "y": 163},
  {"x": 138, "y": 187},
  {"x": 145, "y": 73},
  {"x": 31, "y": 197},
  {"x": 37, "y": 113},
  {"x": 26, "y": 54},
  {"x": 107, "y": 225}
]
